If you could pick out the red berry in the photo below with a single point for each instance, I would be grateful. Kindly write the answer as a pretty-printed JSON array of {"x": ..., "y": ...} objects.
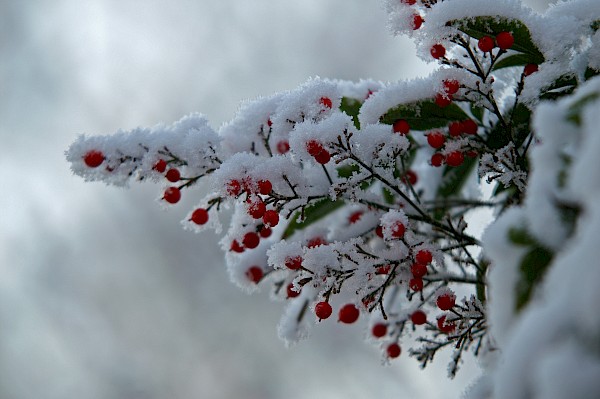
[
  {"x": 294, "y": 263},
  {"x": 173, "y": 175},
  {"x": 411, "y": 177},
  {"x": 257, "y": 209},
  {"x": 401, "y": 126},
  {"x": 323, "y": 310},
  {"x": 93, "y": 158},
  {"x": 417, "y": 21},
  {"x": 469, "y": 126},
  {"x": 437, "y": 159},
  {"x": 418, "y": 317},
  {"x": 455, "y": 129},
  {"x": 265, "y": 232},
  {"x": 234, "y": 188},
  {"x": 384, "y": 269},
  {"x": 424, "y": 256},
  {"x": 316, "y": 242},
  {"x": 379, "y": 330},
  {"x": 313, "y": 147},
  {"x": 323, "y": 157},
  {"x": 505, "y": 40},
  {"x": 393, "y": 351},
  {"x": 451, "y": 86},
  {"x": 254, "y": 274},
  {"x": 446, "y": 301},
  {"x": 271, "y": 218},
  {"x": 379, "y": 231},
  {"x": 529, "y": 69},
  {"x": 283, "y": 147},
  {"x": 443, "y": 100},
  {"x": 269, "y": 123},
  {"x": 472, "y": 154},
  {"x": 455, "y": 158},
  {"x": 398, "y": 230},
  {"x": 437, "y": 51},
  {"x": 485, "y": 44},
  {"x": 251, "y": 240},
  {"x": 160, "y": 166},
  {"x": 355, "y": 217},
  {"x": 236, "y": 247},
  {"x": 409, "y": 2},
  {"x": 418, "y": 270},
  {"x": 291, "y": 293},
  {"x": 326, "y": 101},
  {"x": 444, "y": 326},
  {"x": 416, "y": 284},
  {"x": 348, "y": 314},
  {"x": 436, "y": 139},
  {"x": 265, "y": 187},
  {"x": 172, "y": 195},
  {"x": 199, "y": 216}
]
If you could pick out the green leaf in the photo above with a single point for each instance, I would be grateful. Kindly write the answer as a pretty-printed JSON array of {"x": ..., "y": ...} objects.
[
  {"x": 590, "y": 73},
  {"x": 574, "y": 113},
  {"x": 492, "y": 25},
  {"x": 477, "y": 112},
  {"x": 561, "y": 87},
  {"x": 351, "y": 107},
  {"x": 532, "y": 269},
  {"x": 388, "y": 197},
  {"x": 312, "y": 214},
  {"x": 346, "y": 171},
  {"x": 424, "y": 115},
  {"x": 521, "y": 237},
  {"x": 514, "y": 60},
  {"x": 595, "y": 25}
]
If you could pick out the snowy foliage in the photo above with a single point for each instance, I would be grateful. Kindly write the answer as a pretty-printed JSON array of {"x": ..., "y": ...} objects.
[{"x": 358, "y": 194}]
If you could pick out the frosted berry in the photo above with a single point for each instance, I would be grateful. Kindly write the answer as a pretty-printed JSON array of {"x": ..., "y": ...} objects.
[
  {"x": 416, "y": 284},
  {"x": 411, "y": 177},
  {"x": 265, "y": 232},
  {"x": 398, "y": 230},
  {"x": 265, "y": 187},
  {"x": 326, "y": 101},
  {"x": 418, "y": 270},
  {"x": 355, "y": 217},
  {"x": 393, "y": 351},
  {"x": 323, "y": 310},
  {"x": 451, "y": 86},
  {"x": 469, "y": 126},
  {"x": 443, "y": 100},
  {"x": 505, "y": 40},
  {"x": 160, "y": 166},
  {"x": 251, "y": 240},
  {"x": 271, "y": 218},
  {"x": 323, "y": 157},
  {"x": 379, "y": 231},
  {"x": 291, "y": 293},
  {"x": 316, "y": 242},
  {"x": 254, "y": 274},
  {"x": 455, "y": 158},
  {"x": 445, "y": 327},
  {"x": 436, "y": 139},
  {"x": 173, "y": 175},
  {"x": 93, "y": 158},
  {"x": 529, "y": 69},
  {"x": 236, "y": 247},
  {"x": 424, "y": 256},
  {"x": 294, "y": 263},
  {"x": 200, "y": 216},
  {"x": 455, "y": 129},
  {"x": 313, "y": 147},
  {"x": 418, "y": 317},
  {"x": 348, "y": 314},
  {"x": 485, "y": 44},
  {"x": 283, "y": 147},
  {"x": 269, "y": 122},
  {"x": 409, "y": 2},
  {"x": 379, "y": 330},
  {"x": 401, "y": 126},
  {"x": 437, "y": 51},
  {"x": 417, "y": 21},
  {"x": 437, "y": 159},
  {"x": 446, "y": 301},
  {"x": 385, "y": 269},
  {"x": 172, "y": 195},
  {"x": 257, "y": 209},
  {"x": 234, "y": 188}
]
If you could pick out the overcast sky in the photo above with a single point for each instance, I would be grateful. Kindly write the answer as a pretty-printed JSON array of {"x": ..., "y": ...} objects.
[{"x": 102, "y": 294}]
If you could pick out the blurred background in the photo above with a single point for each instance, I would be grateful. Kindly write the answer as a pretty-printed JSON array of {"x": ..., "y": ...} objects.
[{"x": 102, "y": 293}]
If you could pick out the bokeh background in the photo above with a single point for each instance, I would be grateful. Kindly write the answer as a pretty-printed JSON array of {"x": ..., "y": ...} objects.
[{"x": 102, "y": 294}]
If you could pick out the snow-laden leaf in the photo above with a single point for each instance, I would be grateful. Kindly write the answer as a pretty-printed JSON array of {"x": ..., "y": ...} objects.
[{"x": 424, "y": 115}]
